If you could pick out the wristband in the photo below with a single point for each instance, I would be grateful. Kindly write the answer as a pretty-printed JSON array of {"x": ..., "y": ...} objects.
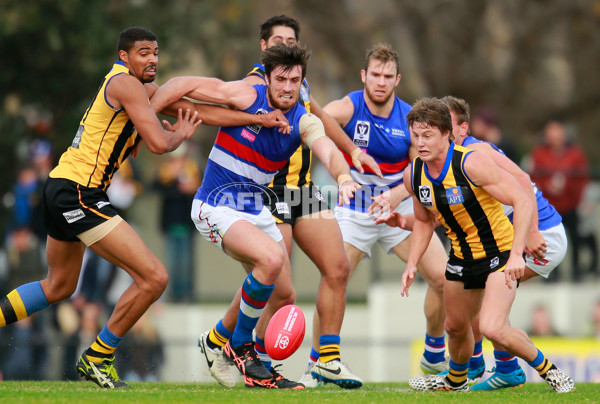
[{"x": 343, "y": 178}]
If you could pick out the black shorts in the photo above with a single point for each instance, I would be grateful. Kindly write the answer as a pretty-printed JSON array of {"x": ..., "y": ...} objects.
[
  {"x": 474, "y": 273},
  {"x": 71, "y": 209},
  {"x": 289, "y": 204}
]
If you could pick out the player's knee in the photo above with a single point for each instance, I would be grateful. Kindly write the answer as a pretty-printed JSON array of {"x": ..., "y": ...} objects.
[
  {"x": 155, "y": 281},
  {"x": 456, "y": 328},
  {"x": 57, "y": 291},
  {"x": 271, "y": 265},
  {"x": 337, "y": 273},
  {"x": 492, "y": 332},
  {"x": 287, "y": 297}
]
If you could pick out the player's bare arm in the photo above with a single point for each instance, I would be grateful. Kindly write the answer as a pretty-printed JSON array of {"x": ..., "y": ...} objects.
[
  {"x": 335, "y": 116},
  {"x": 421, "y": 236},
  {"x": 129, "y": 93},
  {"x": 536, "y": 245},
  {"x": 503, "y": 187},
  {"x": 235, "y": 94},
  {"x": 215, "y": 115},
  {"x": 313, "y": 135}
]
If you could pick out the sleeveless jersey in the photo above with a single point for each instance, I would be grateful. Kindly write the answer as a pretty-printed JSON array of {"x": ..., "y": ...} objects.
[
  {"x": 387, "y": 140},
  {"x": 105, "y": 138},
  {"x": 548, "y": 217},
  {"x": 244, "y": 159},
  {"x": 296, "y": 173},
  {"x": 475, "y": 222}
]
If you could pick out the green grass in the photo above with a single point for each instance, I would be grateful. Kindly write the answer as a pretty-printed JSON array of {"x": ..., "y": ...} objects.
[{"x": 200, "y": 393}]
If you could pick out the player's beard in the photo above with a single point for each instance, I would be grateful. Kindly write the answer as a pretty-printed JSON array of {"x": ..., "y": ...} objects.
[
  {"x": 276, "y": 104},
  {"x": 377, "y": 101}
]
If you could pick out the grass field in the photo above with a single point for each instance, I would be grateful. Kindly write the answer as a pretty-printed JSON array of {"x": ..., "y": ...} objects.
[{"x": 199, "y": 393}]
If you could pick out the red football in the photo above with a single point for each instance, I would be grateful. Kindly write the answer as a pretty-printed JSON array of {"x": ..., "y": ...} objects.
[{"x": 285, "y": 332}]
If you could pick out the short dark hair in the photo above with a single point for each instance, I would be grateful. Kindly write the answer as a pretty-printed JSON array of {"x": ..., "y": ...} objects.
[
  {"x": 266, "y": 28},
  {"x": 432, "y": 112},
  {"x": 286, "y": 56},
  {"x": 384, "y": 53},
  {"x": 460, "y": 108},
  {"x": 129, "y": 36}
]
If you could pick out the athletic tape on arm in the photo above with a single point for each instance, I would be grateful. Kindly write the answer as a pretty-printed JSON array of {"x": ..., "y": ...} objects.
[{"x": 314, "y": 128}]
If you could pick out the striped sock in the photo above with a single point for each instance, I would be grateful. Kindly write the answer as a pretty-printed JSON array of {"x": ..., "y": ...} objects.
[
  {"x": 477, "y": 358},
  {"x": 104, "y": 347},
  {"x": 254, "y": 299},
  {"x": 505, "y": 362},
  {"x": 218, "y": 336},
  {"x": 329, "y": 348},
  {"x": 313, "y": 357},
  {"x": 435, "y": 348},
  {"x": 259, "y": 346},
  {"x": 541, "y": 364},
  {"x": 22, "y": 302},
  {"x": 457, "y": 374}
]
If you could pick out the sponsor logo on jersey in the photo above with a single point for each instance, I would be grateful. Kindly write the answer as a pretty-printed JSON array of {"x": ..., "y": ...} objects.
[
  {"x": 319, "y": 196},
  {"x": 454, "y": 196},
  {"x": 494, "y": 262},
  {"x": 73, "y": 215},
  {"x": 248, "y": 136},
  {"x": 454, "y": 269},
  {"x": 398, "y": 132},
  {"x": 257, "y": 128},
  {"x": 282, "y": 208},
  {"x": 101, "y": 204},
  {"x": 425, "y": 195}
]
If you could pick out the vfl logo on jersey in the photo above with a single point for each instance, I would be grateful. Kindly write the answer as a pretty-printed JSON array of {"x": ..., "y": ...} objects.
[
  {"x": 74, "y": 215},
  {"x": 101, "y": 204},
  {"x": 454, "y": 269},
  {"x": 77, "y": 138},
  {"x": 454, "y": 196},
  {"x": 425, "y": 195},
  {"x": 304, "y": 96},
  {"x": 361, "y": 133},
  {"x": 257, "y": 128},
  {"x": 319, "y": 196},
  {"x": 494, "y": 262}
]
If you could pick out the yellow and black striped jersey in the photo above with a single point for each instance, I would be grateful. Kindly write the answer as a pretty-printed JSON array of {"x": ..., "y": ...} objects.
[
  {"x": 475, "y": 222},
  {"x": 296, "y": 172},
  {"x": 105, "y": 138}
]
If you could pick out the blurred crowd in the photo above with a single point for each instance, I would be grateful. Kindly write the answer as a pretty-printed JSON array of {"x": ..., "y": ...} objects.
[{"x": 557, "y": 164}]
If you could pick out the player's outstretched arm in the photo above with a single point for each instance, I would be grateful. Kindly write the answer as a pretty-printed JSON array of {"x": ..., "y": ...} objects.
[
  {"x": 216, "y": 115},
  {"x": 312, "y": 134},
  {"x": 336, "y": 115},
  {"x": 129, "y": 93},
  {"x": 235, "y": 94}
]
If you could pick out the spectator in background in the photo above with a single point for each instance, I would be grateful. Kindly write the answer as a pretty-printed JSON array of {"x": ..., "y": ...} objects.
[
  {"x": 177, "y": 182},
  {"x": 596, "y": 319},
  {"x": 541, "y": 322},
  {"x": 484, "y": 126},
  {"x": 588, "y": 211},
  {"x": 560, "y": 169}
]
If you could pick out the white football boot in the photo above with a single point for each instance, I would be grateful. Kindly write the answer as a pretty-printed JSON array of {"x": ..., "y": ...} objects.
[
  {"x": 219, "y": 367},
  {"x": 308, "y": 380},
  {"x": 336, "y": 372}
]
